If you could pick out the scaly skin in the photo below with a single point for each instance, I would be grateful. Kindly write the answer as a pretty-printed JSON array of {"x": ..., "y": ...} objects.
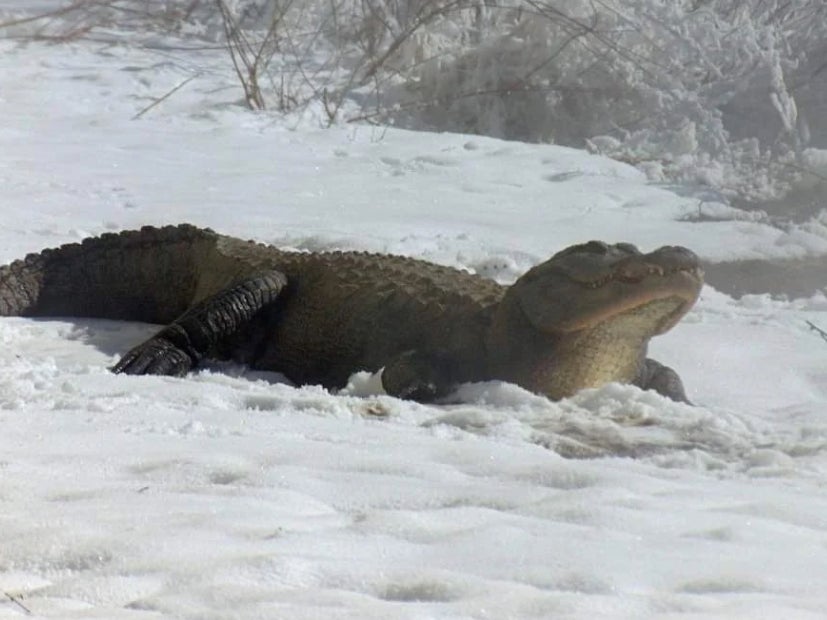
[{"x": 581, "y": 319}]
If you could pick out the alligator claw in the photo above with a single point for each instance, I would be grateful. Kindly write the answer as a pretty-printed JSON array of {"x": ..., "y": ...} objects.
[{"x": 156, "y": 356}]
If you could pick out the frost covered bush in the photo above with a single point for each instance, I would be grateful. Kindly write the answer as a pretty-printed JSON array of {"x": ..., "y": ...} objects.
[{"x": 726, "y": 93}]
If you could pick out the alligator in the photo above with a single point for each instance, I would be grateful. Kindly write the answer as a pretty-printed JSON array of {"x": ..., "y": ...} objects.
[{"x": 581, "y": 319}]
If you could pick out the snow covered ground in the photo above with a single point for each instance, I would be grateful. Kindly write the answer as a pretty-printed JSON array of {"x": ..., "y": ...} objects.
[{"x": 229, "y": 494}]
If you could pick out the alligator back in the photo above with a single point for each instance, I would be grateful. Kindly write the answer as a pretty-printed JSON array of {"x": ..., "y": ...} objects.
[{"x": 347, "y": 311}]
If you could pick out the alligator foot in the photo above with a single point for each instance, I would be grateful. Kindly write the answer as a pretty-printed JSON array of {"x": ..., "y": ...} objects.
[
  {"x": 662, "y": 379},
  {"x": 156, "y": 356},
  {"x": 420, "y": 376}
]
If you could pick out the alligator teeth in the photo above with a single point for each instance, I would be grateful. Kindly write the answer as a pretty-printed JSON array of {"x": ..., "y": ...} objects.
[{"x": 635, "y": 273}]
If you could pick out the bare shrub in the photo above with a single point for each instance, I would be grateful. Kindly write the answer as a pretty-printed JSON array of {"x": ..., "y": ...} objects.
[
  {"x": 250, "y": 59},
  {"x": 81, "y": 18},
  {"x": 726, "y": 93}
]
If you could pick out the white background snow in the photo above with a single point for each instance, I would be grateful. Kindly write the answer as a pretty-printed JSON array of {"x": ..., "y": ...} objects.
[{"x": 229, "y": 494}]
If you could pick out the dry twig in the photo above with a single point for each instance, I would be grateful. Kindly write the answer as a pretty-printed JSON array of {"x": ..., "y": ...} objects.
[
  {"x": 817, "y": 330},
  {"x": 164, "y": 97},
  {"x": 14, "y": 598}
]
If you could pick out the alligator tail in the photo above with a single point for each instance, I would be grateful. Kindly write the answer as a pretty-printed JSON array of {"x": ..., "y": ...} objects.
[{"x": 149, "y": 275}]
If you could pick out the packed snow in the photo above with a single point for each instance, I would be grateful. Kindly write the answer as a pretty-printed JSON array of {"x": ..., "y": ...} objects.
[{"x": 231, "y": 494}]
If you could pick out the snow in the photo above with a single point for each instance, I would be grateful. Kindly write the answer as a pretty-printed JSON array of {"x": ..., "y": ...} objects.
[{"x": 230, "y": 494}]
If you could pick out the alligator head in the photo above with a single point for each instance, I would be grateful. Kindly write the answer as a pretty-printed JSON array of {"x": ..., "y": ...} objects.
[{"x": 585, "y": 316}]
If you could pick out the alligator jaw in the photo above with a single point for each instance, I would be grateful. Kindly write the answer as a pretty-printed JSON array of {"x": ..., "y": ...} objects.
[{"x": 680, "y": 287}]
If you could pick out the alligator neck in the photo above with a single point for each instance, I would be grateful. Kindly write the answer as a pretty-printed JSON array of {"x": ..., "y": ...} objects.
[{"x": 558, "y": 365}]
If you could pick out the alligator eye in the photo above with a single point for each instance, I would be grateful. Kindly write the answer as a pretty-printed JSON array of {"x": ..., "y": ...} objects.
[
  {"x": 627, "y": 247},
  {"x": 595, "y": 247},
  {"x": 591, "y": 247}
]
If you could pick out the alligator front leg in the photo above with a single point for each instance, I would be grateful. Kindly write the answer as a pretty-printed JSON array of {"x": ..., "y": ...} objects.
[
  {"x": 182, "y": 344},
  {"x": 655, "y": 376},
  {"x": 422, "y": 376}
]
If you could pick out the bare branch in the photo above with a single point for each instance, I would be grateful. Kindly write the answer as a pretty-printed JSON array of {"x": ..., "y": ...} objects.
[
  {"x": 14, "y": 598},
  {"x": 164, "y": 97},
  {"x": 818, "y": 330}
]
